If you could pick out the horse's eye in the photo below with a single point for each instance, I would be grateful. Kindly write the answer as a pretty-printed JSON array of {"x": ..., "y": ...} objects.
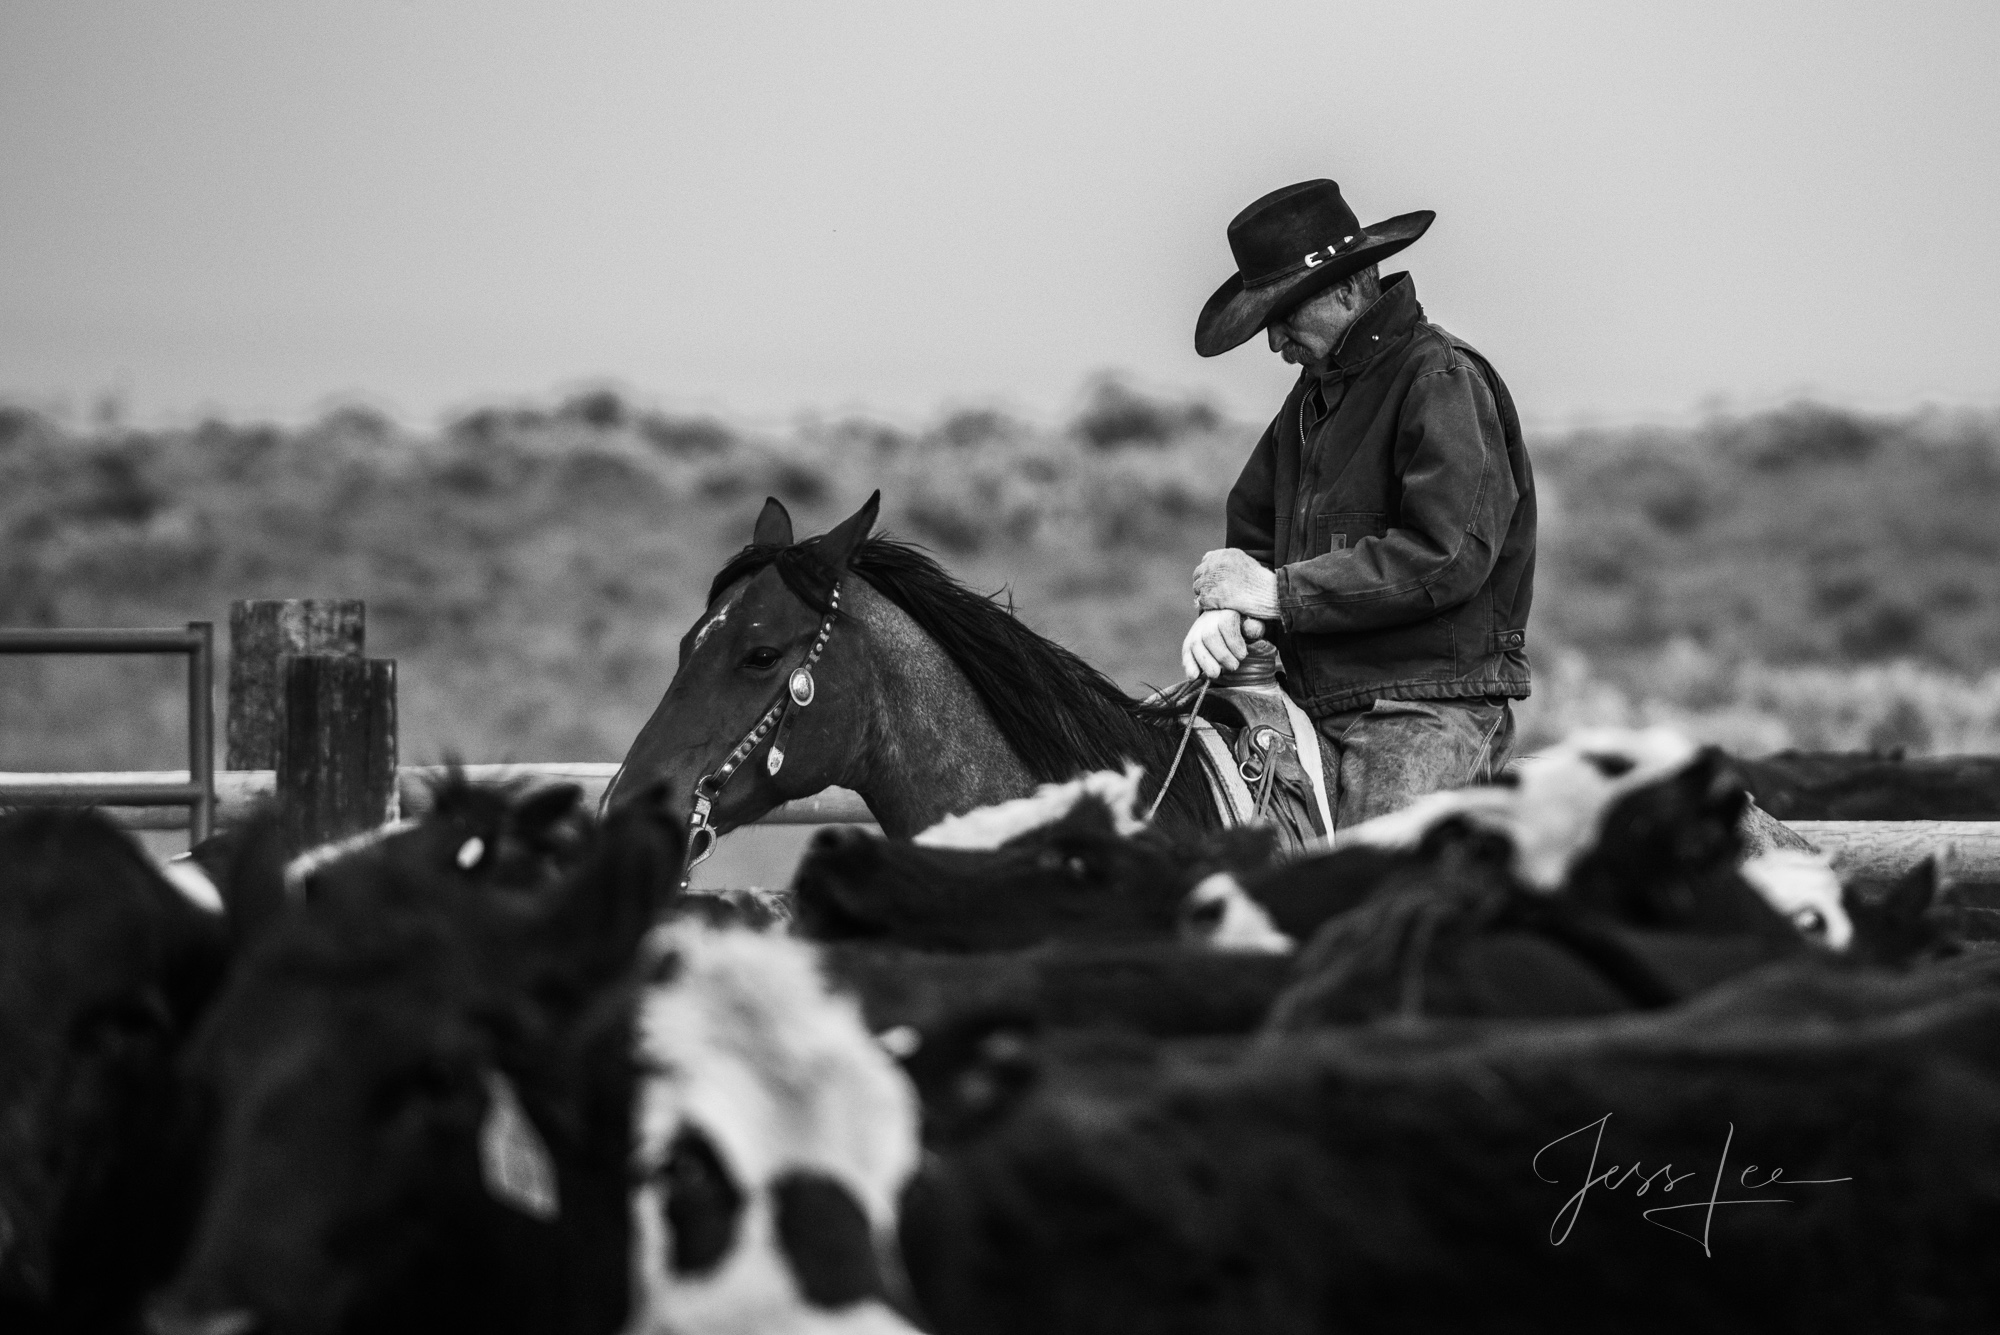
[{"x": 759, "y": 659}]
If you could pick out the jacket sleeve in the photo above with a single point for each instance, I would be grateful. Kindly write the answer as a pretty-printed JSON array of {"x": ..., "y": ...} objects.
[
  {"x": 1458, "y": 496},
  {"x": 1252, "y": 509}
]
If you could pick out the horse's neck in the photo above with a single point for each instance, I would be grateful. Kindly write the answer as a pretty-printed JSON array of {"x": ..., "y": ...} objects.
[{"x": 931, "y": 748}]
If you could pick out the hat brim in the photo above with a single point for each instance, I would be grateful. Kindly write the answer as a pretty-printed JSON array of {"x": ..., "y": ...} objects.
[{"x": 1235, "y": 313}]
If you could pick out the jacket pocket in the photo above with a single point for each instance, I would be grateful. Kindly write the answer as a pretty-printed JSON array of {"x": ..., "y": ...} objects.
[{"x": 1343, "y": 528}]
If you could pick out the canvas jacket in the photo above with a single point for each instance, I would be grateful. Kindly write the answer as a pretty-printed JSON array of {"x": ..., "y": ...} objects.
[{"x": 1392, "y": 496}]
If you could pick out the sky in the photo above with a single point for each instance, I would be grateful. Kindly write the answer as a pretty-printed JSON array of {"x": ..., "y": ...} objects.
[{"x": 773, "y": 209}]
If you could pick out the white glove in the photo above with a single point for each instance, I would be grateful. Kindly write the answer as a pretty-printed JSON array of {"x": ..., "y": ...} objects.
[{"x": 1218, "y": 642}]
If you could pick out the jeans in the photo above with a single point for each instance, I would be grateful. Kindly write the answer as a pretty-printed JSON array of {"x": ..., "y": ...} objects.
[{"x": 1383, "y": 757}]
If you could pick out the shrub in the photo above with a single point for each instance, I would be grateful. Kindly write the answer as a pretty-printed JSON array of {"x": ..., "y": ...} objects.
[
  {"x": 1802, "y": 435},
  {"x": 978, "y": 426},
  {"x": 1115, "y": 414},
  {"x": 684, "y": 436},
  {"x": 601, "y": 409}
]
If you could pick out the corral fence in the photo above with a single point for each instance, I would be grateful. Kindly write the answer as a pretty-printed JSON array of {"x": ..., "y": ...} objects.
[
  {"x": 311, "y": 721},
  {"x": 193, "y": 792}
]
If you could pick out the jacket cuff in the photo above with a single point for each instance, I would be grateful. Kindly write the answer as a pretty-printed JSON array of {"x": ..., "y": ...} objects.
[{"x": 1288, "y": 603}]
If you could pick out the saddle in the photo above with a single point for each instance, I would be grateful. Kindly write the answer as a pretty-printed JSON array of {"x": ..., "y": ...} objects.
[{"x": 1266, "y": 753}]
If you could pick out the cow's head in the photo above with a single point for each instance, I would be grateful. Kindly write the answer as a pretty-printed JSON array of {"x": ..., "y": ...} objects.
[
  {"x": 1077, "y": 878},
  {"x": 489, "y": 836},
  {"x": 774, "y": 1137},
  {"x": 391, "y": 1142},
  {"x": 104, "y": 966}
]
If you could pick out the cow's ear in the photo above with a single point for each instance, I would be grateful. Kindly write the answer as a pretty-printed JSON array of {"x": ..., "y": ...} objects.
[
  {"x": 1716, "y": 784},
  {"x": 837, "y": 548},
  {"x": 1913, "y": 893},
  {"x": 247, "y": 865},
  {"x": 774, "y": 525}
]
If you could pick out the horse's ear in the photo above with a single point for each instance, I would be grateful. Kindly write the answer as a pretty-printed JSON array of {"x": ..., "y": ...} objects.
[
  {"x": 837, "y": 548},
  {"x": 774, "y": 525}
]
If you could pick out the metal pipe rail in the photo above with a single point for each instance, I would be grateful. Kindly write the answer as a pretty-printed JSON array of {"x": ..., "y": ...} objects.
[{"x": 194, "y": 790}]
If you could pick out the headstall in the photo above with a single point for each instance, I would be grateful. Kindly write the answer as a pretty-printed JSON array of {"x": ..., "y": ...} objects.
[{"x": 797, "y": 692}]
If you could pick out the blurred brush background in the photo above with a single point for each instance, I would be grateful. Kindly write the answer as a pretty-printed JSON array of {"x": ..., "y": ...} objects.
[{"x": 1803, "y": 577}]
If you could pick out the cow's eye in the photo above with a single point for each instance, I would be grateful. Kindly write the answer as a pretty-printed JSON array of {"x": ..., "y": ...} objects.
[
  {"x": 1208, "y": 913},
  {"x": 1076, "y": 866},
  {"x": 757, "y": 660},
  {"x": 1810, "y": 922}
]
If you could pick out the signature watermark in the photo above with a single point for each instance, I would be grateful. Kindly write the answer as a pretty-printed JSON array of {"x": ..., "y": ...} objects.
[{"x": 1618, "y": 1177}]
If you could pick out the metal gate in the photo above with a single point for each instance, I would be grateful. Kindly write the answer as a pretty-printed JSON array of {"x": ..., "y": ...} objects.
[{"x": 197, "y": 794}]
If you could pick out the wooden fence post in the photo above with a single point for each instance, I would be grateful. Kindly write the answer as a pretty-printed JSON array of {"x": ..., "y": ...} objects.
[
  {"x": 337, "y": 751},
  {"x": 260, "y": 631}
]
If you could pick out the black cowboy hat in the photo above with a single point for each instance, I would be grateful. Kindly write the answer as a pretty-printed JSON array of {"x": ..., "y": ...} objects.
[{"x": 1290, "y": 245}]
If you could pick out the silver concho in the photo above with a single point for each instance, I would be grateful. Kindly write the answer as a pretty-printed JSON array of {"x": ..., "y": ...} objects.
[{"x": 801, "y": 686}]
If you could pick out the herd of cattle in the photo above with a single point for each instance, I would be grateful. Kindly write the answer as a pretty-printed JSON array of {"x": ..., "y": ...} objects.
[{"x": 1552, "y": 1052}]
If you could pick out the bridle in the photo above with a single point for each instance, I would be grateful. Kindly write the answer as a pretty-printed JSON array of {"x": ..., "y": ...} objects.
[{"x": 793, "y": 696}]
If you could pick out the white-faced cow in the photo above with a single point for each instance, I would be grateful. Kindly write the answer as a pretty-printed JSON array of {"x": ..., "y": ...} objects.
[{"x": 774, "y": 1136}]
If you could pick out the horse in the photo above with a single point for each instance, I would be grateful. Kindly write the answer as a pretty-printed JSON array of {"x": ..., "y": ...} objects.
[{"x": 854, "y": 659}]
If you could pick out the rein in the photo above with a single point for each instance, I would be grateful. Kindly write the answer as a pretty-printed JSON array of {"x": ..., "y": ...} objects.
[
  {"x": 797, "y": 693},
  {"x": 1194, "y": 712}
]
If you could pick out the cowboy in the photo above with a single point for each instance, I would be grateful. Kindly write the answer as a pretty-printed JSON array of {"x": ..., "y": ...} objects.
[{"x": 1382, "y": 534}]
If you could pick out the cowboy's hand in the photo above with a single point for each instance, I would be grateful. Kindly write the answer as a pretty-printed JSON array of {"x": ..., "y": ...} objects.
[
  {"x": 1232, "y": 578},
  {"x": 1214, "y": 644}
]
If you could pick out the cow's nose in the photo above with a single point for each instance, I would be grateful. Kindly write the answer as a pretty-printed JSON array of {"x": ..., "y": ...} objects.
[{"x": 168, "y": 1317}]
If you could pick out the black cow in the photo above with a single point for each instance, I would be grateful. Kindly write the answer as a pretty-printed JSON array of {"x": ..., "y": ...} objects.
[
  {"x": 1819, "y": 1153},
  {"x": 1455, "y": 934},
  {"x": 104, "y": 969},
  {"x": 1836, "y": 785},
  {"x": 395, "y": 1134},
  {"x": 1078, "y": 878},
  {"x": 1164, "y": 989},
  {"x": 503, "y": 835},
  {"x": 1899, "y": 919},
  {"x": 1626, "y": 823}
]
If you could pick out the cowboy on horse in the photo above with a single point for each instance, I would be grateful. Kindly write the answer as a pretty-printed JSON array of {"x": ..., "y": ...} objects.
[{"x": 1382, "y": 534}]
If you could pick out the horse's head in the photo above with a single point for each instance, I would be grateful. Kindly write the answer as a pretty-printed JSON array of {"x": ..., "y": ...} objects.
[{"x": 742, "y": 661}]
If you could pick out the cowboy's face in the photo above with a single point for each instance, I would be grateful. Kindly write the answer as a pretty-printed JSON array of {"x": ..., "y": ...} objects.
[{"x": 1305, "y": 335}]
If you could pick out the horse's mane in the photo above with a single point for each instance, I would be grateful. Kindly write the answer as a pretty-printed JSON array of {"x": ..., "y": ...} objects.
[{"x": 1060, "y": 715}]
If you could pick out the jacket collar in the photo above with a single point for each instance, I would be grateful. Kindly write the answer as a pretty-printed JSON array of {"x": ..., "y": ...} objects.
[{"x": 1385, "y": 320}]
